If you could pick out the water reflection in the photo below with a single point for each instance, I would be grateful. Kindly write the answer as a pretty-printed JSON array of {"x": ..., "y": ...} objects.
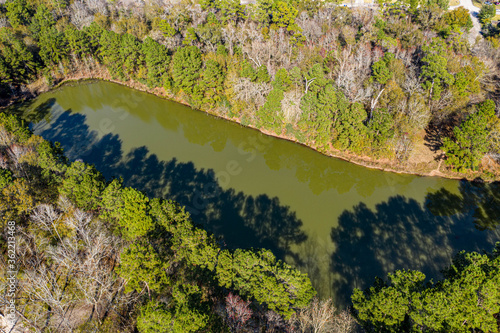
[
  {"x": 401, "y": 233},
  {"x": 341, "y": 223},
  {"x": 239, "y": 220},
  {"x": 481, "y": 200},
  {"x": 319, "y": 172}
]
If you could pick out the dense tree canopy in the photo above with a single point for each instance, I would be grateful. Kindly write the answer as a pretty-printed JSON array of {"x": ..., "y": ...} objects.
[
  {"x": 471, "y": 138},
  {"x": 486, "y": 13},
  {"x": 466, "y": 299},
  {"x": 326, "y": 76},
  {"x": 364, "y": 82},
  {"x": 146, "y": 251},
  {"x": 186, "y": 68}
]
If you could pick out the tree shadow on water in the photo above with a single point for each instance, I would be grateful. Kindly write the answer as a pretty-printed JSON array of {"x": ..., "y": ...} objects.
[
  {"x": 402, "y": 234},
  {"x": 35, "y": 114},
  {"x": 368, "y": 242},
  {"x": 240, "y": 220},
  {"x": 480, "y": 199}
]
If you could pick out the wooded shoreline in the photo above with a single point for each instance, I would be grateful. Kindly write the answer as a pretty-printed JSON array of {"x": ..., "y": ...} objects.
[{"x": 364, "y": 161}]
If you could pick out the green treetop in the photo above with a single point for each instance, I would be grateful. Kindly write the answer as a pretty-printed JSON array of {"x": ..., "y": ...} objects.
[
  {"x": 187, "y": 63},
  {"x": 470, "y": 140},
  {"x": 83, "y": 185},
  {"x": 434, "y": 71}
]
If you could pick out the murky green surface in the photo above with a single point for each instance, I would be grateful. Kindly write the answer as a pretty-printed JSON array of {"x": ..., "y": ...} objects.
[{"x": 342, "y": 223}]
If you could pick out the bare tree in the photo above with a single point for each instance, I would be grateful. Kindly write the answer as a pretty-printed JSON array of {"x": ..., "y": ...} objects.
[
  {"x": 250, "y": 92},
  {"x": 274, "y": 322},
  {"x": 237, "y": 312},
  {"x": 321, "y": 317},
  {"x": 412, "y": 83},
  {"x": 197, "y": 15},
  {"x": 310, "y": 28},
  {"x": 3, "y": 22},
  {"x": 403, "y": 146},
  {"x": 80, "y": 14},
  {"x": 345, "y": 323},
  {"x": 354, "y": 67},
  {"x": 348, "y": 34},
  {"x": 290, "y": 106},
  {"x": 97, "y": 6},
  {"x": 417, "y": 112},
  {"x": 329, "y": 40},
  {"x": 317, "y": 317},
  {"x": 229, "y": 35},
  {"x": 68, "y": 259}
]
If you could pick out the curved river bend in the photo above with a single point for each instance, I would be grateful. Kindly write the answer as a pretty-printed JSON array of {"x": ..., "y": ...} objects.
[{"x": 341, "y": 223}]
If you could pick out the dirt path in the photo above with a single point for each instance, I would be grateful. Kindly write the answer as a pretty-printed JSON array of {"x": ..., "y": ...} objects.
[
  {"x": 467, "y": 4},
  {"x": 473, "y": 10}
]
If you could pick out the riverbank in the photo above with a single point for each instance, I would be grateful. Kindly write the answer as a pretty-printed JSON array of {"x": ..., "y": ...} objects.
[{"x": 423, "y": 161}]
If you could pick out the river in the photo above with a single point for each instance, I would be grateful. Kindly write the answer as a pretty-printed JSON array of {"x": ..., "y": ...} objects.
[{"x": 341, "y": 223}]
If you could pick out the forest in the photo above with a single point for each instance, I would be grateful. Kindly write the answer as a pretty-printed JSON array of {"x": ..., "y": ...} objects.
[
  {"x": 95, "y": 256},
  {"x": 91, "y": 255},
  {"x": 362, "y": 82}
]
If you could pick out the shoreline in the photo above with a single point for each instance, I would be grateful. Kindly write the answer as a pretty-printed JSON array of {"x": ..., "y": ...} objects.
[{"x": 364, "y": 161}]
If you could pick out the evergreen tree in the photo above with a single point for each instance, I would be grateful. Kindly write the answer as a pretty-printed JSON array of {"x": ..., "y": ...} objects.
[
  {"x": 380, "y": 129},
  {"x": 53, "y": 48},
  {"x": 434, "y": 71},
  {"x": 257, "y": 274},
  {"x": 486, "y": 13},
  {"x": 187, "y": 63},
  {"x": 5, "y": 178},
  {"x": 164, "y": 27},
  {"x": 16, "y": 199},
  {"x": 470, "y": 141},
  {"x": 263, "y": 74},
  {"x": 230, "y": 9},
  {"x": 83, "y": 185},
  {"x": 41, "y": 21},
  {"x": 109, "y": 52},
  {"x": 381, "y": 71},
  {"x": 18, "y": 12},
  {"x": 212, "y": 83},
  {"x": 247, "y": 70},
  {"x": 270, "y": 115},
  {"x": 387, "y": 306},
  {"x": 351, "y": 131},
  {"x": 93, "y": 34},
  {"x": 284, "y": 14},
  {"x": 132, "y": 56},
  {"x": 77, "y": 42},
  {"x": 154, "y": 317},
  {"x": 143, "y": 267},
  {"x": 17, "y": 63},
  {"x": 320, "y": 112},
  {"x": 466, "y": 300},
  {"x": 157, "y": 61},
  {"x": 459, "y": 18},
  {"x": 129, "y": 208}
]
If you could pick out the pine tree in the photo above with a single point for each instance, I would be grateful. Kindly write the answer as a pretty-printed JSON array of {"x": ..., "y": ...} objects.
[
  {"x": 17, "y": 63},
  {"x": 52, "y": 45},
  {"x": 83, "y": 185},
  {"x": 109, "y": 52},
  {"x": 41, "y": 21},
  {"x": 470, "y": 141},
  {"x": 156, "y": 61},
  {"x": 212, "y": 83},
  {"x": 132, "y": 56},
  {"x": 187, "y": 63},
  {"x": 18, "y": 12}
]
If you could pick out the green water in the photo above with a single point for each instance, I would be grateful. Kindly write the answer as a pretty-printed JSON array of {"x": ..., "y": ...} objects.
[{"x": 341, "y": 223}]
